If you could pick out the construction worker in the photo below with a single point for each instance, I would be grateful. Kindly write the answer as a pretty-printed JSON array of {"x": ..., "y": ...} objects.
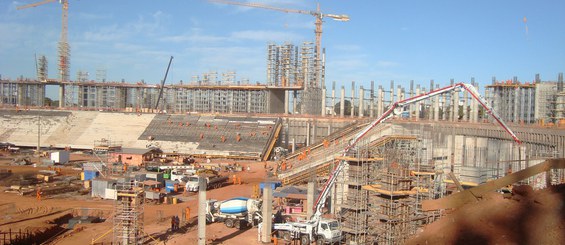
[
  {"x": 187, "y": 213},
  {"x": 38, "y": 194},
  {"x": 239, "y": 180},
  {"x": 234, "y": 179}
]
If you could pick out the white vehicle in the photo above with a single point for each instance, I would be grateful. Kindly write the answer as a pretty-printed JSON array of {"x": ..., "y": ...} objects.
[
  {"x": 212, "y": 181},
  {"x": 321, "y": 231},
  {"x": 181, "y": 175},
  {"x": 239, "y": 212},
  {"x": 315, "y": 228}
]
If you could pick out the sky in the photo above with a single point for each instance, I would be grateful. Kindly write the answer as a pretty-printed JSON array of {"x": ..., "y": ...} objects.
[{"x": 384, "y": 40}]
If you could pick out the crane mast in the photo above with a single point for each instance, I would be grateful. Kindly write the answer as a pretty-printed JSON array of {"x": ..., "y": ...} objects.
[
  {"x": 64, "y": 48},
  {"x": 394, "y": 110}
]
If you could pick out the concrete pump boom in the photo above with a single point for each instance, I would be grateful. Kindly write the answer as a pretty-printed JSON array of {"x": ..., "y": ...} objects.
[{"x": 320, "y": 201}]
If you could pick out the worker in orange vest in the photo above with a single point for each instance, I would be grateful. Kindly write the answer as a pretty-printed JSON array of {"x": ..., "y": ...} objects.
[{"x": 38, "y": 194}]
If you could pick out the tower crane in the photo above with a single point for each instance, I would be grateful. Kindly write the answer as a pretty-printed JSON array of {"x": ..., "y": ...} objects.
[
  {"x": 64, "y": 49},
  {"x": 319, "y": 19}
]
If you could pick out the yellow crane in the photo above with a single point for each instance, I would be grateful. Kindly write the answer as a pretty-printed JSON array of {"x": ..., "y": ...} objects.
[
  {"x": 64, "y": 49},
  {"x": 319, "y": 19}
]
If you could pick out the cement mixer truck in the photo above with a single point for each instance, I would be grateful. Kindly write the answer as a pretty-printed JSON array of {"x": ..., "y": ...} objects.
[{"x": 239, "y": 212}]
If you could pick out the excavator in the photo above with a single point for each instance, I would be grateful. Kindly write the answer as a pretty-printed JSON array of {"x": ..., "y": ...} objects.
[{"x": 324, "y": 230}]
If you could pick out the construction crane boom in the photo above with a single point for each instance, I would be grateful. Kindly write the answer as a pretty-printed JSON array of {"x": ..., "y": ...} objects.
[
  {"x": 395, "y": 109},
  {"x": 319, "y": 20},
  {"x": 31, "y": 5},
  {"x": 64, "y": 49},
  {"x": 163, "y": 84}
]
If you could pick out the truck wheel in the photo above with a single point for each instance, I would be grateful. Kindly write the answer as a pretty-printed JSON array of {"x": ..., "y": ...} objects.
[
  {"x": 320, "y": 240},
  {"x": 237, "y": 224},
  {"x": 229, "y": 223},
  {"x": 304, "y": 240},
  {"x": 286, "y": 236}
]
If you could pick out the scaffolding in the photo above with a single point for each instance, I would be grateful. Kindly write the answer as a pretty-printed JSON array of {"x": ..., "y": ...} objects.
[
  {"x": 128, "y": 213},
  {"x": 514, "y": 101}
]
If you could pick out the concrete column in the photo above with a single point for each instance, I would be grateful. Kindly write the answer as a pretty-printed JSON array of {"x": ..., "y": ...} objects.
[
  {"x": 61, "y": 95},
  {"x": 399, "y": 94},
  {"x": 436, "y": 106},
  {"x": 361, "y": 100},
  {"x": 418, "y": 105},
  {"x": 380, "y": 101},
  {"x": 465, "y": 102},
  {"x": 248, "y": 102},
  {"x": 372, "y": 100},
  {"x": 307, "y": 133},
  {"x": 294, "y": 104},
  {"x": 432, "y": 103},
  {"x": 454, "y": 96},
  {"x": 413, "y": 106},
  {"x": 314, "y": 131},
  {"x": 342, "y": 103},
  {"x": 20, "y": 98},
  {"x": 310, "y": 197},
  {"x": 391, "y": 92},
  {"x": 353, "y": 99},
  {"x": 293, "y": 145},
  {"x": 333, "y": 98},
  {"x": 324, "y": 102},
  {"x": 267, "y": 213},
  {"x": 202, "y": 211},
  {"x": 286, "y": 101}
]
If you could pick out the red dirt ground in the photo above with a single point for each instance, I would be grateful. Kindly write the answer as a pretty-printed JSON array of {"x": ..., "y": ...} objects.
[{"x": 531, "y": 217}]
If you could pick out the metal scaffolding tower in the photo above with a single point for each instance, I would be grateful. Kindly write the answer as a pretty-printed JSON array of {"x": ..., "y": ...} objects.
[{"x": 128, "y": 213}]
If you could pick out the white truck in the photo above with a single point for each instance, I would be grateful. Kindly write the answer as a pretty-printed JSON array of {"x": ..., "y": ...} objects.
[
  {"x": 212, "y": 181},
  {"x": 181, "y": 175},
  {"x": 322, "y": 231},
  {"x": 239, "y": 212},
  {"x": 326, "y": 231}
]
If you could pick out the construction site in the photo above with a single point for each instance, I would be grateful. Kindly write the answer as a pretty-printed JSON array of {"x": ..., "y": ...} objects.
[{"x": 290, "y": 160}]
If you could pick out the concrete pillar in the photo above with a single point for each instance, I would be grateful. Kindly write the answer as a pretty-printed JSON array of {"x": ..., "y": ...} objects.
[
  {"x": 412, "y": 106},
  {"x": 380, "y": 101},
  {"x": 453, "y": 110},
  {"x": 61, "y": 95},
  {"x": 293, "y": 145},
  {"x": 333, "y": 98},
  {"x": 372, "y": 100},
  {"x": 342, "y": 103},
  {"x": 248, "y": 102},
  {"x": 391, "y": 92},
  {"x": 436, "y": 106},
  {"x": 294, "y": 104},
  {"x": 314, "y": 131},
  {"x": 361, "y": 100},
  {"x": 432, "y": 103},
  {"x": 353, "y": 99},
  {"x": 418, "y": 105},
  {"x": 202, "y": 211},
  {"x": 310, "y": 197},
  {"x": 286, "y": 101},
  {"x": 20, "y": 98},
  {"x": 465, "y": 103},
  {"x": 267, "y": 207},
  {"x": 307, "y": 133},
  {"x": 399, "y": 94},
  {"x": 324, "y": 102}
]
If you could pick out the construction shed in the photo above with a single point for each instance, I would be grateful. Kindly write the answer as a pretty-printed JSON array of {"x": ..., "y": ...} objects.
[{"x": 134, "y": 156}]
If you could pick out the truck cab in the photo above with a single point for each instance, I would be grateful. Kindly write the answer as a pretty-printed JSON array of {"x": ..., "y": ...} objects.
[{"x": 328, "y": 231}]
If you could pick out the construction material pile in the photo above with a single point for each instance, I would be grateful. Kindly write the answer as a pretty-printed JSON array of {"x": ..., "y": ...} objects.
[{"x": 523, "y": 217}]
